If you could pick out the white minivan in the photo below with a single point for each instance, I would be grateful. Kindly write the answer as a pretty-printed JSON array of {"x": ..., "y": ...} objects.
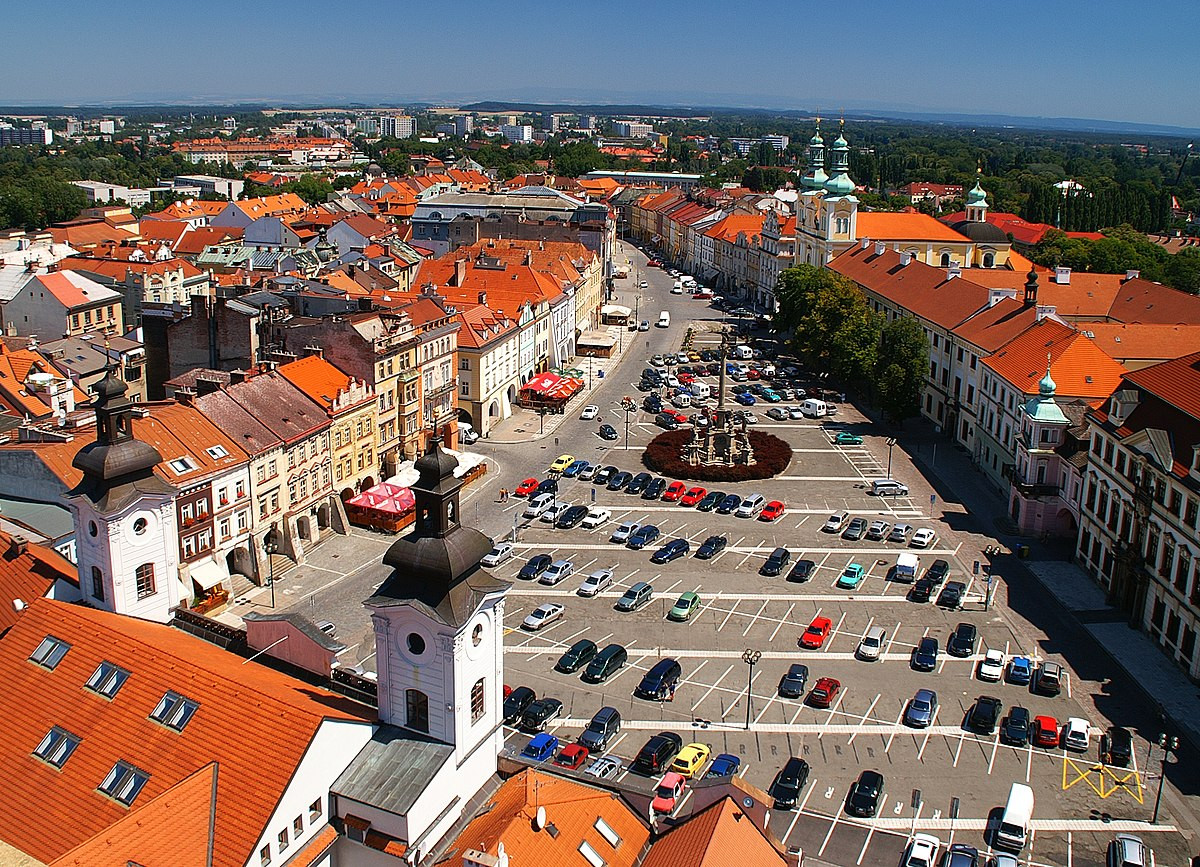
[
  {"x": 537, "y": 505},
  {"x": 1013, "y": 830},
  {"x": 814, "y": 408},
  {"x": 664, "y": 320},
  {"x": 743, "y": 351},
  {"x": 701, "y": 390}
]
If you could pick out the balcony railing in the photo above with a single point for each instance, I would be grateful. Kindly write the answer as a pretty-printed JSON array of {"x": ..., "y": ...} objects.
[{"x": 1035, "y": 489}]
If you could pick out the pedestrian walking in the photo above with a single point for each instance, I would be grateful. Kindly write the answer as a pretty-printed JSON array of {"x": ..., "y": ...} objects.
[{"x": 671, "y": 696}]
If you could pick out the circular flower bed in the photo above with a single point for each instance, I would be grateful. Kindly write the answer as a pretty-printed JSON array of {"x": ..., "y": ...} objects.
[{"x": 663, "y": 456}]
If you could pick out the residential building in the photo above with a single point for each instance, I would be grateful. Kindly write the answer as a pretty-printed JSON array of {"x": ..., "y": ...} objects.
[
  {"x": 29, "y": 571},
  {"x": 142, "y": 276},
  {"x": 100, "y": 192},
  {"x": 63, "y": 304},
  {"x": 488, "y": 365},
  {"x": 397, "y": 126},
  {"x": 88, "y": 357},
  {"x": 32, "y": 385},
  {"x": 517, "y": 133},
  {"x": 13, "y": 136},
  {"x": 436, "y": 326},
  {"x": 245, "y": 211},
  {"x": 735, "y": 251},
  {"x": 777, "y": 252},
  {"x": 923, "y": 191},
  {"x": 1139, "y": 535},
  {"x": 350, "y": 405},
  {"x": 632, "y": 129}
]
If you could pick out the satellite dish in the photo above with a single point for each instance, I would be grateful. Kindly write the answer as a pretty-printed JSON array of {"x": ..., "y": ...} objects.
[
  {"x": 539, "y": 820},
  {"x": 747, "y": 802}
]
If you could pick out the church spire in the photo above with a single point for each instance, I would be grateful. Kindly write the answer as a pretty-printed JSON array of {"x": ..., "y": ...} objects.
[
  {"x": 840, "y": 183},
  {"x": 816, "y": 177},
  {"x": 977, "y": 203}
]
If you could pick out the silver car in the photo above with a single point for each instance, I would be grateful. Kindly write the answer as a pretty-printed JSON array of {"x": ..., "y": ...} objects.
[
  {"x": 596, "y": 582},
  {"x": 501, "y": 552},
  {"x": 836, "y": 522},
  {"x": 900, "y": 533},
  {"x": 604, "y": 768},
  {"x": 543, "y": 615},
  {"x": 878, "y": 530},
  {"x": 921, "y": 709}
]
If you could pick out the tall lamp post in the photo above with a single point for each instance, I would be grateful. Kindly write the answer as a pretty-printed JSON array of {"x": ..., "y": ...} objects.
[
  {"x": 751, "y": 658},
  {"x": 1169, "y": 744},
  {"x": 271, "y": 546},
  {"x": 554, "y": 476},
  {"x": 891, "y": 444},
  {"x": 629, "y": 406}
]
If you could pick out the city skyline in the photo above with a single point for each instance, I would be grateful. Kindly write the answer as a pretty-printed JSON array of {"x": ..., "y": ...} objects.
[{"x": 1039, "y": 61}]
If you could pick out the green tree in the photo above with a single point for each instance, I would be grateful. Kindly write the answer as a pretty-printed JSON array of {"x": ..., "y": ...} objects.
[
  {"x": 765, "y": 179},
  {"x": 833, "y": 330},
  {"x": 903, "y": 359}
]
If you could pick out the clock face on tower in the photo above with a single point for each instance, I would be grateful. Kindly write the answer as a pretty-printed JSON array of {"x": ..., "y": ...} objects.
[
  {"x": 478, "y": 634},
  {"x": 140, "y": 525}
]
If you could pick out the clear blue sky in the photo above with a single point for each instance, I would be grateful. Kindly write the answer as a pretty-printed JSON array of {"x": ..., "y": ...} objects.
[{"x": 1103, "y": 59}]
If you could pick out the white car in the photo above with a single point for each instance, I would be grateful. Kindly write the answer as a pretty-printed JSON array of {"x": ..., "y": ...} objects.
[
  {"x": 596, "y": 582},
  {"x": 624, "y": 530},
  {"x": 643, "y": 285},
  {"x": 836, "y": 522},
  {"x": 589, "y": 412},
  {"x": 589, "y": 472},
  {"x": 991, "y": 667},
  {"x": 558, "y": 570},
  {"x": 676, "y": 289},
  {"x": 681, "y": 358},
  {"x": 552, "y": 514},
  {"x": 923, "y": 538},
  {"x": 501, "y": 552},
  {"x": 1077, "y": 734},
  {"x": 750, "y": 417},
  {"x": 922, "y": 851},
  {"x": 795, "y": 413},
  {"x": 672, "y": 381},
  {"x": 658, "y": 361},
  {"x": 542, "y": 615},
  {"x": 596, "y": 517}
]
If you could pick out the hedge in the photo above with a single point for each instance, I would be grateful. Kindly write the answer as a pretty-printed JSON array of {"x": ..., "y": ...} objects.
[{"x": 664, "y": 453}]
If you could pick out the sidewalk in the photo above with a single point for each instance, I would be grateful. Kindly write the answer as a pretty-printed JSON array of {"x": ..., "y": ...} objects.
[{"x": 1166, "y": 686}]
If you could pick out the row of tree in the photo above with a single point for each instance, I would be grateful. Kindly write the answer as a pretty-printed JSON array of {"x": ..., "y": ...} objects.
[
  {"x": 834, "y": 332},
  {"x": 1138, "y": 205}
]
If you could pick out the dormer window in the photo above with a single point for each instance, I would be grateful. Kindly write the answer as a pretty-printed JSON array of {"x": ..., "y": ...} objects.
[
  {"x": 174, "y": 711},
  {"x": 50, "y": 652},
  {"x": 108, "y": 679}
]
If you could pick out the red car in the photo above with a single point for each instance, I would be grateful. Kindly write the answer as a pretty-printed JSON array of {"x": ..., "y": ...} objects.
[
  {"x": 1045, "y": 731},
  {"x": 654, "y": 263},
  {"x": 771, "y": 511},
  {"x": 816, "y": 633},
  {"x": 674, "y": 491},
  {"x": 753, "y": 374},
  {"x": 526, "y": 488},
  {"x": 824, "y": 692},
  {"x": 572, "y": 757},
  {"x": 677, "y": 415},
  {"x": 693, "y": 496},
  {"x": 686, "y": 378}
]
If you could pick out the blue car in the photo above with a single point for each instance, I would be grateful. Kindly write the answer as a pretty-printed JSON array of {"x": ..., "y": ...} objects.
[
  {"x": 771, "y": 396},
  {"x": 746, "y": 399},
  {"x": 574, "y": 470},
  {"x": 723, "y": 765},
  {"x": 1020, "y": 670},
  {"x": 540, "y": 747},
  {"x": 642, "y": 537}
]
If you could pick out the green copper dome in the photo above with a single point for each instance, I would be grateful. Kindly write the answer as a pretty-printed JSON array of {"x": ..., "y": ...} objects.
[
  {"x": 977, "y": 195},
  {"x": 840, "y": 185},
  {"x": 1047, "y": 386}
]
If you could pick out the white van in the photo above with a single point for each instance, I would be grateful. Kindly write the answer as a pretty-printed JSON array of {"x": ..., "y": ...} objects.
[
  {"x": 681, "y": 401},
  {"x": 814, "y": 408},
  {"x": 537, "y": 505},
  {"x": 907, "y": 567},
  {"x": 751, "y": 506},
  {"x": 1018, "y": 813},
  {"x": 743, "y": 351},
  {"x": 701, "y": 390},
  {"x": 466, "y": 433},
  {"x": 664, "y": 320}
]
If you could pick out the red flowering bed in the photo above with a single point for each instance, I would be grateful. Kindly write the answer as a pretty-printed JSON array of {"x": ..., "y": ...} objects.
[{"x": 664, "y": 453}]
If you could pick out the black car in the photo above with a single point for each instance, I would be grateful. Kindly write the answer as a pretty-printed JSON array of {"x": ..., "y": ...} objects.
[
  {"x": 545, "y": 486},
  {"x": 673, "y": 550},
  {"x": 619, "y": 480},
  {"x": 802, "y": 571},
  {"x": 539, "y": 713},
  {"x": 656, "y": 754},
  {"x": 603, "y": 728},
  {"x": 535, "y": 566},
  {"x": 604, "y": 474},
  {"x": 855, "y": 530},
  {"x": 642, "y": 537},
  {"x": 519, "y": 699},
  {"x": 710, "y": 501},
  {"x": 938, "y": 572},
  {"x": 793, "y": 683},
  {"x": 788, "y": 783},
  {"x": 571, "y": 517},
  {"x": 984, "y": 715},
  {"x": 865, "y": 794},
  {"x": 650, "y": 373},
  {"x": 962, "y": 641},
  {"x": 638, "y": 483},
  {"x": 922, "y": 590},
  {"x": 576, "y": 656},
  {"x": 1116, "y": 746},
  {"x": 776, "y": 562},
  {"x": 666, "y": 421},
  {"x": 654, "y": 489},
  {"x": 606, "y": 663},
  {"x": 650, "y": 403},
  {"x": 952, "y": 595},
  {"x": 925, "y": 654},
  {"x": 1015, "y": 728},
  {"x": 607, "y": 432},
  {"x": 711, "y": 547},
  {"x": 729, "y": 504},
  {"x": 646, "y": 385}
]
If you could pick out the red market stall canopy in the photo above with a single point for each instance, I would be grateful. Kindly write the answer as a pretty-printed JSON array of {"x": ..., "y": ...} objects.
[
  {"x": 549, "y": 389},
  {"x": 381, "y": 506}
]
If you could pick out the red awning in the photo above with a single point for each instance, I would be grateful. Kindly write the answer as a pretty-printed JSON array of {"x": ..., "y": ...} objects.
[
  {"x": 385, "y": 497},
  {"x": 551, "y": 386}
]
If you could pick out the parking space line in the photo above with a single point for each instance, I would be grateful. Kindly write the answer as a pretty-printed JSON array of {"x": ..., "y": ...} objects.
[
  {"x": 962, "y": 737},
  {"x": 753, "y": 619},
  {"x": 899, "y": 719},
  {"x": 867, "y": 842},
  {"x": 796, "y": 818},
  {"x": 716, "y": 683},
  {"x": 828, "y": 834},
  {"x": 995, "y": 747},
  {"x": 782, "y": 621},
  {"x": 727, "y": 616},
  {"x": 833, "y": 635},
  {"x": 833, "y": 710},
  {"x": 864, "y": 718},
  {"x": 928, "y": 735}
]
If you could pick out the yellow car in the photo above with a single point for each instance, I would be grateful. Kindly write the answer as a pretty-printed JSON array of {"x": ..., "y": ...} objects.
[
  {"x": 562, "y": 462},
  {"x": 691, "y": 759}
]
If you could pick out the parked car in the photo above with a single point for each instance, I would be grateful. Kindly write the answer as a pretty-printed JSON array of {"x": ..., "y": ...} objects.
[
  {"x": 835, "y": 522},
  {"x": 855, "y": 530},
  {"x": 685, "y": 606},
  {"x": 922, "y": 851},
  {"x": 724, "y": 765},
  {"x": 674, "y": 491},
  {"x": 865, "y": 795},
  {"x": 500, "y": 552},
  {"x": 604, "y": 768},
  {"x": 961, "y": 855},
  {"x": 588, "y": 473},
  {"x": 638, "y": 483},
  {"x": 543, "y": 615},
  {"x": 984, "y": 714},
  {"x": 1049, "y": 678},
  {"x": 900, "y": 533},
  {"x": 554, "y": 512},
  {"x": 772, "y": 511},
  {"x": 540, "y": 712},
  {"x": 847, "y": 439},
  {"x": 525, "y": 488},
  {"x": 596, "y": 582},
  {"x": 655, "y": 489},
  {"x": 576, "y": 656},
  {"x": 711, "y": 500},
  {"x": 776, "y": 562},
  {"x": 785, "y": 789},
  {"x": 802, "y": 570},
  {"x": 1127, "y": 850},
  {"x": 693, "y": 496},
  {"x": 1116, "y": 747},
  {"x": 878, "y": 530},
  {"x": 1020, "y": 670},
  {"x": 575, "y": 469},
  {"x": 571, "y": 757},
  {"x": 921, "y": 709},
  {"x": 559, "y": 570},
  {"x": 991, "y": 667},
  {"x": 605, "y": 664},
  {"x": 871, "y": 646},
  {"x": 923, "y": 538},
  {"x": 851, "y": 576},
  {"x": 1045, "y": 731},
  {"x": 535, "y": 566},
  {"x": 729, "y": 504},
  {"x": 925, "y": 654},
  {"x": 778, "y": 413},
  {"x": 561, "y": 463},
  {"x": 938, "y": 571},
  {"x": 1016, "y": 728},
  {"x": 571, "y": 517},
  {"x": 1077, "y": 734},
  {"x": 824, "y": 692},
  {"x": 673, "y": 550},
  {"x": 668, "y": 792},
  {"x": 952, "y": 595},
  {"x": 656, "y": 754},
  {"x": 660, "y": 681},
  {"x": 619, "y": 480},
  {"x": 604, "y": 474},
  {"x": 635, "y": 597},
  {"x": 711, "y": 547},
  {"x": 595, "y": 517},
  {"x": 589, "y": 412},
  {"x": 642, "y": 537},
  {"x": 603, "y": 727},
  {"x": 794, "y": 681},
  {"x": 691, "y": 759},
  {"x": 516, "y": 702},
  {"x": 624, "y": 530},
  {"x": 962, "y": 640},
  {"x": 540, "y": 747},
  {"x": 816, "y": 633},
  {"x": 922, "y": 590}
]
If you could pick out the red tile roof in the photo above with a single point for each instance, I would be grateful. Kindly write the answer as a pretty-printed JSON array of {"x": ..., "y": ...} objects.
[
  {"x": 1079, "y": 367},
  {"x": 28, "y": 575},
  {"x": 1176, "y": 382},
  {"x": 1138, "y": 342},
  {"x": 15, "y": 367},
  {"x": 887, "y": 226},
  {"x": 733, "y": 225},
  {"x": 720, "y": 836},
  {"x": 994, "y": 326},
  {"x": 320, "y": 380},
  {"x": 71, "y": 289},
  {"x": 46, "y": 812}
]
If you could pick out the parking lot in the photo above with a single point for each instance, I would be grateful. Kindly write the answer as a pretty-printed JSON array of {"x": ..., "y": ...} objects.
[{"x": 963, "y": 777}]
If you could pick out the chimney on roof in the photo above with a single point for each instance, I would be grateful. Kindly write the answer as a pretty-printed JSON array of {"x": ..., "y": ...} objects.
[
  {"x": 237, "y": 377},
  {"x": 905, "y": 259},
  {"x": 865, "y": 243},
  {"x": 1132, "y": 274},
  {"x": 1031, "y": 288},
  {"x": 528, "y": 258},
  {"x": 955, "y": 270},
  {"x": 17, "y": 546},
  {"x": 460, "y": 272},
  {"x": 1045, "y": 310},
  {"x": 1062, "y": 276},
  {"x": 482, "y": 298}
]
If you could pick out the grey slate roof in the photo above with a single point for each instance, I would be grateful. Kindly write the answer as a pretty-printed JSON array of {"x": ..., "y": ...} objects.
[{"x": 392, "y": 770}]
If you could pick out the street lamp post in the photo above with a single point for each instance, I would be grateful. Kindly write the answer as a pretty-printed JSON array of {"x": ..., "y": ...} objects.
[
  {"x": 554, "y": 476},
  {"x": 891, "y": 444},
  {"x": 1169, "y": 744},
  {"x": 751, "y": 658},
  {"x": 271, "y": 546},
  {"x": 628, "y": 405}
]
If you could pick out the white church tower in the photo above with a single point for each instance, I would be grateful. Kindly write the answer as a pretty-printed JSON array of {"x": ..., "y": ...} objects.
[{"x": 124, "y": 516}]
